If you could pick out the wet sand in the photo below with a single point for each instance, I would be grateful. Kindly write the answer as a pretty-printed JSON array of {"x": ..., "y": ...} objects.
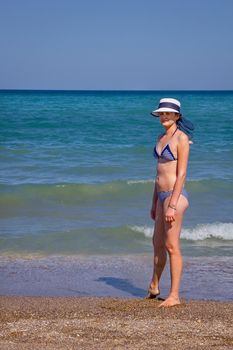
[
  {"x": 112, "y": 276},
  {"x": 113, "y": 323}
]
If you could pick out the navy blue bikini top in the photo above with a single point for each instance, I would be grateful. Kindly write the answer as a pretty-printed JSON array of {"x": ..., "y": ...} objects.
[{"x": 166, "y": 153}]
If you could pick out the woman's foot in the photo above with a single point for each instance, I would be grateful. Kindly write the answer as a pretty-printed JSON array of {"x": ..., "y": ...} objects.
[
  {"x": 170, "y": 301},
  {"x": 152, "y": 292}
]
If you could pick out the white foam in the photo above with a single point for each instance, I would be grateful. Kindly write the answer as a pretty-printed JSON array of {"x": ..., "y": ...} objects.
[
  {"x": 147, "y": 231},
  {"x": 216, "y": 230},
  {"x": 200, "y": 232},
  {"x": 131, "y": 182}
]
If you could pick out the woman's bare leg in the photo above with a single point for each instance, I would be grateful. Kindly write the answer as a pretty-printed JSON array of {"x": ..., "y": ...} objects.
[
  {"x": 160, "y": 254},
  {"x": 172, "y": 243}
]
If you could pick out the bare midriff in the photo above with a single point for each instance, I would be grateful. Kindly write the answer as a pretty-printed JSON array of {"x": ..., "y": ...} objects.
[{"x": 166, "y": 175}]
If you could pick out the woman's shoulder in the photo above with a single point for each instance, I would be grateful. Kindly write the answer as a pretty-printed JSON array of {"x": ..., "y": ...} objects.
[{"x": 182, "y": 137}]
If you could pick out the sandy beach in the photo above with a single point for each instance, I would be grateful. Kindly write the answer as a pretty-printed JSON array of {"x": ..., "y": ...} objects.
[{"x": 113, "y": 323}]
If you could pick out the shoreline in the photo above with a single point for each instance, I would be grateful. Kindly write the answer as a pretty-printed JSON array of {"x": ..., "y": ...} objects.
[
  {"x": 113, "y": 323},
  {"x": 124, "y": 276}
]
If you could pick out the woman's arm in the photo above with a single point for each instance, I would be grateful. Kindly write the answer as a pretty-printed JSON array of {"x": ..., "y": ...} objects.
[
  {"x": 155, "y": 197},
  {"x": 182, "y": 163},
  {"x": 154, "y": 203}
]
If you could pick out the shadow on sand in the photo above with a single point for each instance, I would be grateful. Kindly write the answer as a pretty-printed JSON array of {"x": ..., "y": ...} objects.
[{"x": 124, "y": 285}]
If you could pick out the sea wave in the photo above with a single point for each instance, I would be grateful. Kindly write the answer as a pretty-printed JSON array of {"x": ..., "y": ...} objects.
[
  {"x": 69, "y": 194},
  {"x": 123, "y": 239},
  {"x": 221, "y": 231},
  {"x": 14, "y": 196}
]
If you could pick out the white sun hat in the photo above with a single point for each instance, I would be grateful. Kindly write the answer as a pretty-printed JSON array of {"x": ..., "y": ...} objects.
[{"x": 167, "y": 105}]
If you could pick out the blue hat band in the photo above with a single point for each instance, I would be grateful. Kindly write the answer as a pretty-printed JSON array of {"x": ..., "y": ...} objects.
[{"x": 169, "y": 105}]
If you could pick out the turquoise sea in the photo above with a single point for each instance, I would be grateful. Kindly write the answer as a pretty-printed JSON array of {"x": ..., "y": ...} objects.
[{"x": 77, "y": 173}]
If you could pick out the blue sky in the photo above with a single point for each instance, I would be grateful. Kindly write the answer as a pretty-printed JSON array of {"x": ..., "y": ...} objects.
[{"x": 116, "y": 44}]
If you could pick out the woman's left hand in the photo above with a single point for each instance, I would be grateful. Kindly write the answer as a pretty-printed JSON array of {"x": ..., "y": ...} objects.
[{"x": 170, "y": 215}]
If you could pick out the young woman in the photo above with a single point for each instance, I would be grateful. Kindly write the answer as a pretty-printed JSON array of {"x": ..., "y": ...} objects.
[{"x": 170, "y": 199}]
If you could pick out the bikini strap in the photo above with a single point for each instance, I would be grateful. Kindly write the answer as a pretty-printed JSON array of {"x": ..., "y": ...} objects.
[{"x": 159, "y": 137}]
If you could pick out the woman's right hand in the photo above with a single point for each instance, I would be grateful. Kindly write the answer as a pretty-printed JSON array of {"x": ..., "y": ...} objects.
[{"x": 153, "y": 213}]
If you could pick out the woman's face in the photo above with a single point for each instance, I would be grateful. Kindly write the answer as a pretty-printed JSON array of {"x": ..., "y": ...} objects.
[{"x": 167, "y": 119}]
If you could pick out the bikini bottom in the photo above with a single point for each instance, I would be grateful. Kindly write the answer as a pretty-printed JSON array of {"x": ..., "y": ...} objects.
[{"x": 164, "y": 194}]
